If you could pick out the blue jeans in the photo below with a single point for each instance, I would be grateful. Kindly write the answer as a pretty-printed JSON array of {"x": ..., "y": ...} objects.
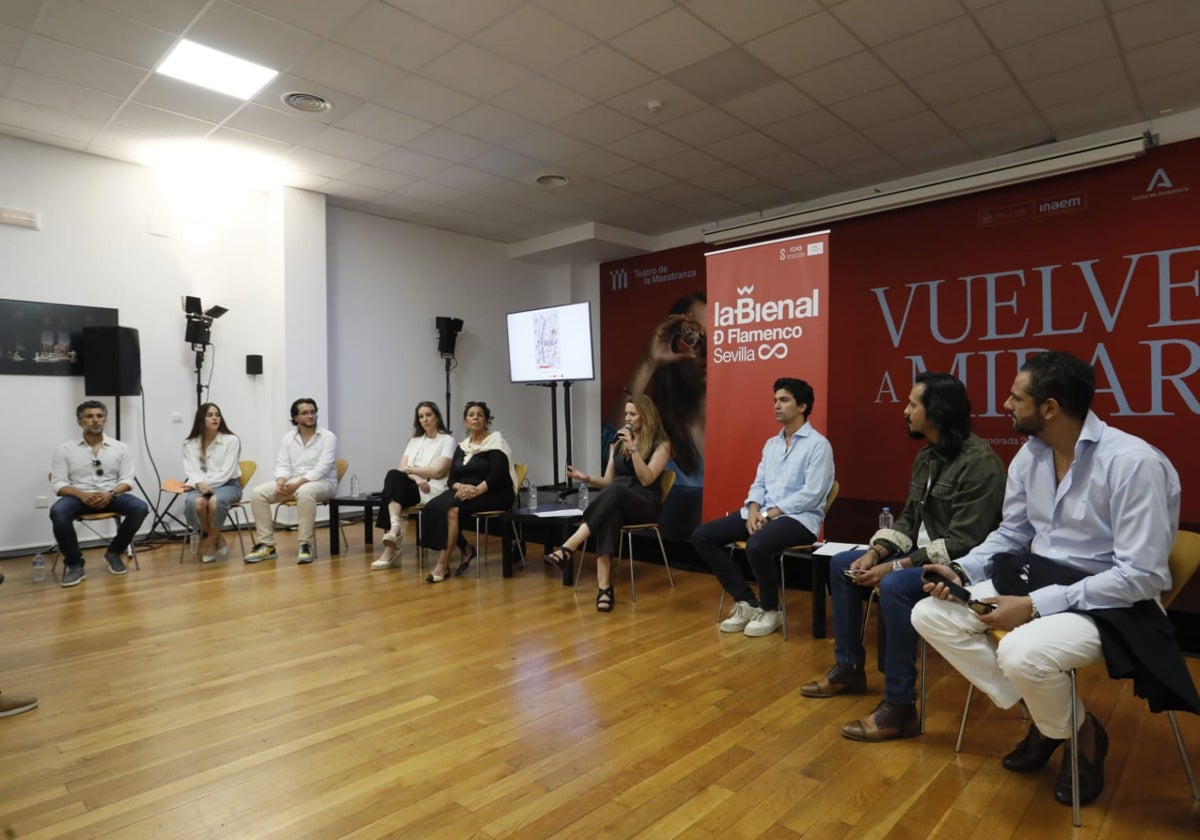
[
  {"x": 898, "y": 593},
  {"x": 64, "y": 512}
]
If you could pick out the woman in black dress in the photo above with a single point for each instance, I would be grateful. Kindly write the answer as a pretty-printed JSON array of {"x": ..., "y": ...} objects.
[
  {"x": 481, "y": 478},
  {"x": 632, "y": 494}
]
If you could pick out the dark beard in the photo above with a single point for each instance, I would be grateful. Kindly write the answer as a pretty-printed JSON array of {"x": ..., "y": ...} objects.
[{"x": 915, "y": 435}]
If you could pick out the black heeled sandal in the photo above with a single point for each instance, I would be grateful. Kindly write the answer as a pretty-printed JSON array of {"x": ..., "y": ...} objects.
[
  {"x": 560, "y": 557},
  {"x": 604, "y": 600},
  {"x": 466, "y": 559}
]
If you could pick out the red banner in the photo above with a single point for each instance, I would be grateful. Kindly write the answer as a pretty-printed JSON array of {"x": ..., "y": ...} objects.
[
  {"x": 767, "y": 318},
  {"x": 1104, "y": 264},
  {"x": 652, "y": 340}
]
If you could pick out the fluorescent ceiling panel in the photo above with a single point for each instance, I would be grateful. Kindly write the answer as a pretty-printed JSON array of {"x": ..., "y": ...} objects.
[{"x": 200, "y": 65}]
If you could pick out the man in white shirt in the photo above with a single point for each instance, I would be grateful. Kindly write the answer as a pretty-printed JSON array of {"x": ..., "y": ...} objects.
[
  {"x": 1089, "y": 518},
  {"x": 93, "y": 474},
  {"x": 304, "y": 471}
]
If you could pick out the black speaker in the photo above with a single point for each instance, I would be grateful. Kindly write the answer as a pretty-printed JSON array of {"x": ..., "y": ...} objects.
[
  {"x": 254, "y": 364},
  {"x": 448, "y": 330},
  {"x": 112, "y": 362}
]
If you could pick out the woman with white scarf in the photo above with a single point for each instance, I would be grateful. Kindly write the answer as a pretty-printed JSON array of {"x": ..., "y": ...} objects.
[{"x": 481, "y": 478}]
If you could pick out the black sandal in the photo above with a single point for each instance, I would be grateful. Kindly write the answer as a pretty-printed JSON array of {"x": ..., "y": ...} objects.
[
  {"x": 466, "y": 560},
  {"x": 604, "y": 600},
  {"x": 560, "y": 557}
]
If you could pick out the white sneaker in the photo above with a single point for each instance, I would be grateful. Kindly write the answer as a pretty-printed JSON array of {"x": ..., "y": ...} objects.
[
  {"x": 741, "y": 615},
  {"x": 765, "y": 623}
]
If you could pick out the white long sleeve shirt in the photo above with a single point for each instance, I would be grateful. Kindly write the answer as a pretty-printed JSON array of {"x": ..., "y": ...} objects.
[
  {"x": 313, "y": 460},
  {"x": 216, "y": 466}
]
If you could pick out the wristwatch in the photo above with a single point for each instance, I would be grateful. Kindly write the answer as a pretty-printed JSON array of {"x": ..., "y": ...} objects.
[{"x": 1033, "y": 610}]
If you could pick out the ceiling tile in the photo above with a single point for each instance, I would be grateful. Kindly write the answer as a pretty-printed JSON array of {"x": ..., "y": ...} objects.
[
  {"x": 160, "y": 123},
  {"x": 906, "y": 131},
  {"x": 688, "y": 164},
  {"x": 1163, "y": 59},
  {"x": 949, "y": 148},
  {"x": 880, "y": 106},
  {"x": 425, "y": 99},
  {"x": 373, "y": 176},
  {"x": 986, "y": 109},
  {"x": 639, "y": 178},
  {"x": 870, "y": 169},
  {"x": 601, "y": 73},
  {"x": 346, "y": 144},
  {"x": 465, "y": 178},
  {"x": 412, "y": 163},
  {"x": 431, "y": 192},
  {"x": 487, "y": 122},
  {"x": 751, "y": 145},
  {"x": 383, "y": 124},
  {"x": 91, "y": 28},
  {"x": 342, "y": 69},
  {"x": 462, "y": 17},
  {"x": 476, "y": 72},
  {"x": 778, "y": 165},
  {"x": 1086, "y": 115},
  {"x": 808, "y": 43},
  {"x": 532, "y": 38},
  {"x": 187, "y": 99},
  {"x": 962, "y": 81},
  {"x": 19, "y": 13},
  {"x": 807, "y": 128},
  {"x": 272, "y": 97},
  {"x": 542, "y": 100},
  {"x": 646, "y": 146},
  {"x": 549, "y": 145},
  {"x": 726, "y": 75},
  {"x": 743, "y": 21},
  {"x": 1159, "y": 20},
  {"x": 703, "y": 127},
  {"x": 599, "y": 125},
  {"x": 342, "y": 189},
  {"x": 670, "y": 41},
  {"x": 48, "y": 121},
  {"x": 320, "y": 17},
  {"x": 1008, "y": 135},
  {"x": 1080, "y": 45},
  {"x": 11, "y": 41},
  {"x": 393, "y": 37},
  {"x": 249, "y": 143},
  {"x": 1176, "y": 92},
  {"x": 873, "y": 24},
  {"x": 1077, "y": 83},
  {"x": 845, "y": 78},
  {"x": 933, "y": 49},
  {"x": 770, "y": 104},
  {"x": 610, "y": 18},
  {"x": 58, "y": 95},
  {"x": 1012, "y": 22},
  {"x": 598, "y": 163},
  {"x": 758, "y": 194},
  {"x": 249, "y": 35},
  {"x": 168, "y": 15},
  {"x": 451, "y": 145},
  {"x": 268, "y": 122},
  {"x": 839, "y": 149},
  {"x": 675, "y": 102},
  {"x": 507, "y": 164}
]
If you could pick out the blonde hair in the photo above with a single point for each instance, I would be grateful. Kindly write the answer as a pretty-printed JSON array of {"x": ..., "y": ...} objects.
[{"x": 651, "y": 435}]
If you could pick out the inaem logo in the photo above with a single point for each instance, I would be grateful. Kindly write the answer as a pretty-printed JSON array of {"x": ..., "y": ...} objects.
[
  {"x": 1160, "y": 181},
  {"x": 620, "y": 278}
]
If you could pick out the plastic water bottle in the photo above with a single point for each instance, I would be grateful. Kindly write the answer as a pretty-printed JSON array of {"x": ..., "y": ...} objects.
[
  {"x": 39, "y": 567},
  {"x": 583, "y": 496},
  {"x": 354, "y": 485},
  {"x": 885, "y": 518},
  {"x": 532, "y": 496},
  {"x": 193, "y": 543}
]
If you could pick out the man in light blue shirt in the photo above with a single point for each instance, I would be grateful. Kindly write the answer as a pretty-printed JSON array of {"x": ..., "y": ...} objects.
[
  {"x": 1090, "y": 515},
  {"x": 785, "y": 507}
]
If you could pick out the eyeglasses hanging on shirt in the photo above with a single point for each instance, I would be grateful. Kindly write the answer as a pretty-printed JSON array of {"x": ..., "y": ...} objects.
[{"x": 96, "y": 468}]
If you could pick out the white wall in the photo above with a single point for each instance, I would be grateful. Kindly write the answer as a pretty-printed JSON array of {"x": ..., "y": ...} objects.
[
  {"x": 388, "y": 280},
  {"x": 116, "y": 235}
]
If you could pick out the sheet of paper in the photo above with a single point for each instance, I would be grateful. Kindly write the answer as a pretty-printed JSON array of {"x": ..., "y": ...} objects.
[
  {"x": 562, "y": 512},
  {"x": 829, "y": 549}
]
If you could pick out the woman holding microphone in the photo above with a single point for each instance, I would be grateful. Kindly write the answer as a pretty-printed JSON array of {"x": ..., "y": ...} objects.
[{"x": 630, "y": 491}]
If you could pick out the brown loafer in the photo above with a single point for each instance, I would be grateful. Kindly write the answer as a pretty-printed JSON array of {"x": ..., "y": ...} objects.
[
  {"x": 888, "y": 722},
  {"x": 842, "y": 678}
]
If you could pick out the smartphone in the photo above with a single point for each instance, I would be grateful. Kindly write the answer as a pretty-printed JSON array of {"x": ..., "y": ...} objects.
[
  {"x": 852, "y": 573},
  {"x": 957, "y": 592}
]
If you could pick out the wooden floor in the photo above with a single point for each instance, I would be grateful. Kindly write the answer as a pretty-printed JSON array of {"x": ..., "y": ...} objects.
[{"x": 329, "y": 701}]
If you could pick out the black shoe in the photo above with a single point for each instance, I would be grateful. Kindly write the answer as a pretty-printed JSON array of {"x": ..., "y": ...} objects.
[
  {"x": 1032, "y": 753},
  {"x": 1091, "y": 771},
  {"x": 468, "y": 554}
]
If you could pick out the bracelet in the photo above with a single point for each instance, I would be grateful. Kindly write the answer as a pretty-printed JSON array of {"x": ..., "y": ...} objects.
[{"x": 897, "y": 566}]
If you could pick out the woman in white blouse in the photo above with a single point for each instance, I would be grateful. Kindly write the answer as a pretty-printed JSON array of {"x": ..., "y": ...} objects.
[
  {"x": 420, "y": 476},
  {"x": 210, "y": 463}
]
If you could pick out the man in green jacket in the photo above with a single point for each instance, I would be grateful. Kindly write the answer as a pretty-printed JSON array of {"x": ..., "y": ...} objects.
[{"x": 954, "y": 501}]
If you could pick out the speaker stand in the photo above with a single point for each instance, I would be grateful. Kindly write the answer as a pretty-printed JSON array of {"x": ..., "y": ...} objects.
[{"x": 199, "y": 348}]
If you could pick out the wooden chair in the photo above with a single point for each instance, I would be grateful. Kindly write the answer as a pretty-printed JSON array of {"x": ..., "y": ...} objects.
[
  {"x": 485, "y": 517},
  {"x": 1184, "y": 561},
  {"x": 342, "y": 465},
  {"x": 248, "y": 469},
  {"x": 626, "y": 535},
  {"x": 790, "y": 551}
]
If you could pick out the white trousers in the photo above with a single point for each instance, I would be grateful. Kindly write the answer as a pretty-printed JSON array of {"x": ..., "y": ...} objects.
[
  {"x": 1030, "y": 662},
  {"x": 307, "y": 496}
]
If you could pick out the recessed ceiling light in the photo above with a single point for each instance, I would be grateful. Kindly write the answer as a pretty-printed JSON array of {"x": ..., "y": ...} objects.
[
  {"x": 200, "y": 65},
  {"x": 309, "y": 103},
  {"x": 552, "y": 181}
]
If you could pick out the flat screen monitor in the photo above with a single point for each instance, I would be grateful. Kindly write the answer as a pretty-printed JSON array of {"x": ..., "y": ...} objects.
[{"x": 553, "y": 344}]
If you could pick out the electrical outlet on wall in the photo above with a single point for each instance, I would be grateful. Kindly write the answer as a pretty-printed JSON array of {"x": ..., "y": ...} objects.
[
  {"x": 41, "y": 501},
  {"x": 176, "y": 417}
]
